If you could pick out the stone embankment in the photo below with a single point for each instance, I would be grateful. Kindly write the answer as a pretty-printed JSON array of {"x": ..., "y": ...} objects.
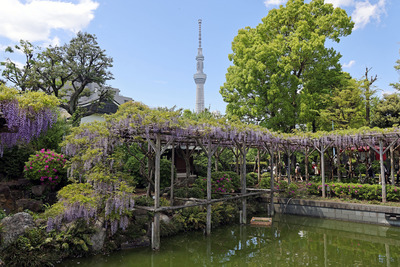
[{"x": 354, "y": 212}]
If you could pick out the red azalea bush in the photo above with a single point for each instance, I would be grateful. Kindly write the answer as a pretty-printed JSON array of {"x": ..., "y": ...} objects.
[{"x": 45, "y": 167}]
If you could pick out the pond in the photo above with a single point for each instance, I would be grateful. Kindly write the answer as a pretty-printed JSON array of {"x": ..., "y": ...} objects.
[{"x": 290, "y": 241}]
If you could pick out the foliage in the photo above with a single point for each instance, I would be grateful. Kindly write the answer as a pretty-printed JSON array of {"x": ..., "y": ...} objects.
[
  {"x": 356, "y": 191},
  {"x": 53, "y": 137},
  {"x": 63, "y": 71},
  {"x": 292, "y": 190},
  {"x": 27, "y": 250},
  {"x": 194, "y": 218},
  {"x": 397, "y": 68},
  {"x": 38, "y": 248},
  {"x": 277, "y": 63},
  {"x": 251, "y": 179},
  {"x": 148, "y": 201},
  {"x": 26, "y": 115},
  {"x": 265, "y": 181},
  {"x": 2, "y": 214},
  {"x": 387, "y": 111},
  {"x": 194, "y": 192},
  {"x": 346, "y": 107},
  {"x": 361, "y": 168},
  {"x": 221, "y": 182},
  {"x": 105, "y": 194},
  {"x": 46, "y": 166},
  {"x": 13, "y": 161},
  {"x": 230, "y": 175}
]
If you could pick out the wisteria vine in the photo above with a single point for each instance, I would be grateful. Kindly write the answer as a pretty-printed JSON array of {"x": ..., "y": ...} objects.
[{"x": 23, "y": 124}]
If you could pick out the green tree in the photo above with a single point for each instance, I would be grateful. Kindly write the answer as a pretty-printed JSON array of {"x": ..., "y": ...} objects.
[
  {"x": 64, "y": 71},
  {"x": 345, "y": 108},
  {"x": 274, "y": 63},
  {"x": 368, "y": 92},
  {"x": 387, "y": 111},
  {"x": 397, "y": 68},
  {"x": 22, "y": 77}
]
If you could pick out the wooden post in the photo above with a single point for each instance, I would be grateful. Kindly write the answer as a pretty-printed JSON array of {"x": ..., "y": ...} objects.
[
  {"x": 323, "y": 171},
  {"x": 383, "y": 180},
  {"x": 271, "y": 207},
  {"x": 392, "y": 164},
  {"x": 172, "y": 174},
  {"x": 258, "y": 165},
  {"x": 243, "y": 151},
  {"x": 339, "y": 173},
  {"x": 155, "y": 243},
  {"x": 288, "y": 166},
  {"x": 209, "y": 165},
  {"x": 155, "y": 237},
  {"x": 306, "y": 164},
  {"x": 209, "y": 151}
]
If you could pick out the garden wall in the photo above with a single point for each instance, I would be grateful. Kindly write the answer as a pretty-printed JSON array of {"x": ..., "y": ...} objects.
[{"x": 375, "y": 214}]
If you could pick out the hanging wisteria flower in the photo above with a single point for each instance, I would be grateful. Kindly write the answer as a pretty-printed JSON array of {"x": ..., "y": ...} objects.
[{"x": 45, "y": 167}]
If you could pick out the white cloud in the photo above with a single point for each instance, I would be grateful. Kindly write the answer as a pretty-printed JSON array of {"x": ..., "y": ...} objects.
[
  {"x": 34, "y": 20},
  {"x": 348, "y": 65},
  {"x": 274, "y": 2},
  {"x": 365, "y": 11},
  {"x": 340, "y": 3}
]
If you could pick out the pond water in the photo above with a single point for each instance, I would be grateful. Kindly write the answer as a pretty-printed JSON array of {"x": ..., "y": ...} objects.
[{"x": 290, "y": 241}]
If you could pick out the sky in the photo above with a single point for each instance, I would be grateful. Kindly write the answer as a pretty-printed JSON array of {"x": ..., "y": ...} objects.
[{"x": 154, "y": 42}]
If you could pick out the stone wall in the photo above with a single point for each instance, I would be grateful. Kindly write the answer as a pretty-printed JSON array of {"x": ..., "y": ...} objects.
[
  {"x": 375, "y": 214},
  {"x": 19, "y": 195}
]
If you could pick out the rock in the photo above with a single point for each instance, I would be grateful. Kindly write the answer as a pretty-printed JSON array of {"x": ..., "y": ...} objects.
[
  {"x": 164, "y": 218},
  {"x": 16, "y": 225},
  {"x": 30, "y": 204},
  {"x": 38, "y": 190},
  {"x": 99, "y": 237},
  {"x": 18, "y": 184},
  {"x": 143, "y": 241}
]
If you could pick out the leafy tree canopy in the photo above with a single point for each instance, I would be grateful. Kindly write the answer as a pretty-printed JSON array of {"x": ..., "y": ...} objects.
[
  {"x": 63, "y": 71},
  {"x": 387, "y": 111},
  {"x": 280, "y": 60}
]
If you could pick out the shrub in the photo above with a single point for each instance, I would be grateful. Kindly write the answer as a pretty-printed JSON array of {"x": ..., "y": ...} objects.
[
  {"x": 13, "y": 161},
  {"x": 251, "y": 179},
  {"x": 265, "y": 181},
  {"x": 233, "y": 176},
  {"x": 356, "y": 191},
  {"x": 219, "y": 184},
  {"x": 194, "y": 192},
  {"x": 149, "y": 201},
  {"x": 282, "y": 185},
  {"x": 46, "y": 167},
  {"x": 291, "y": 190}
]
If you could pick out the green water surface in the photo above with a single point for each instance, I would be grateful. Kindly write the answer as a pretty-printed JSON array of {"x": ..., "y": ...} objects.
[{"x": 290, "y": 241}]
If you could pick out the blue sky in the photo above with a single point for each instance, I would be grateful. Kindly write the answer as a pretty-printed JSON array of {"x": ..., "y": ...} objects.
[{"x": 154, "y": 42}]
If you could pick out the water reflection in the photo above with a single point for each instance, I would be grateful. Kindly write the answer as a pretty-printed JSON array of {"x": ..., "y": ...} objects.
[{"x": 291, "y": 241}]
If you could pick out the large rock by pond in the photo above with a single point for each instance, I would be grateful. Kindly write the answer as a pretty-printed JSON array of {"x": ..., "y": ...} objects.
[
  {"x": 15, "y": 225},
  {"x": 98, "y": 238}
]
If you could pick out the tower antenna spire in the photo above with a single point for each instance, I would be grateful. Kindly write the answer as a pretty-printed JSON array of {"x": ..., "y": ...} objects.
[
  {"x": 199, "y": 77},
  {"x": 199, "y": 33}
]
